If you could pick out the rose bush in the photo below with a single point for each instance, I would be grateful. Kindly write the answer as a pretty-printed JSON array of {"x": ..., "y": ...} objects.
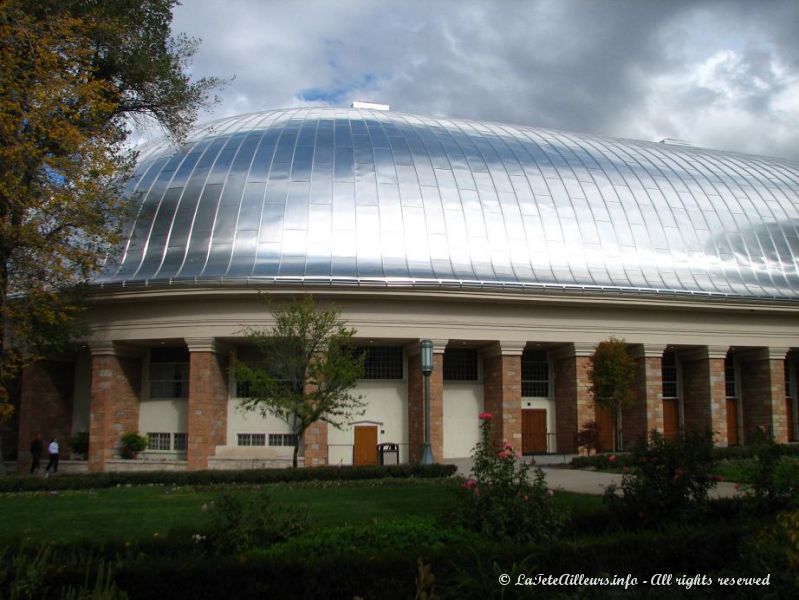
[{"x": 501, "y": 500}]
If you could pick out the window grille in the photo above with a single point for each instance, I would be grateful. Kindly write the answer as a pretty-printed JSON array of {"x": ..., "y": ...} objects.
[
  {"x": 535, "y": 374},
  {"x": 251, "y": 439},
  {"x": 180, "y": 441},
  {"x": 169, "y": 373},
  {"x": 669, "y": 372},
  {"x": 382, "y": 362},
  {"x": 730, "y": 384},
  {"x": 460, "y": 364},
  {"x": 159, "y": 441},
  {"x": 282, "y": 439}
]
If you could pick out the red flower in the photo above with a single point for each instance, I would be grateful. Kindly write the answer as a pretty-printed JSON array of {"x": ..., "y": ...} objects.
[
  {"x": 470, "y": 483},
  {"x": 612, "y": 458},
  {"x": 485, "y": 416}
]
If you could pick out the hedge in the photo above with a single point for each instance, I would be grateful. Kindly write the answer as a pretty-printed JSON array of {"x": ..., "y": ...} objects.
[
  {"x": 459, "y": 572},
  {"x": 603, "y": 461},
  {"x": 250, "y": 476}
]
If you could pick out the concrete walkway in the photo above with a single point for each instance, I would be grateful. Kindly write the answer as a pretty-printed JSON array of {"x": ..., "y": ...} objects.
[{"x": 560, "y": 477}]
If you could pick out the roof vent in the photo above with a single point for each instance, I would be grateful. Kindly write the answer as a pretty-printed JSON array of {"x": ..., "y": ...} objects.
[
  {"x": 674, "y": 142},
  {"x": 370, "y": 105}
]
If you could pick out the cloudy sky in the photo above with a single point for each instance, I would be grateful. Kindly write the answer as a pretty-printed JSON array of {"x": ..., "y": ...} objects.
[{"x": 720, "y": 74}]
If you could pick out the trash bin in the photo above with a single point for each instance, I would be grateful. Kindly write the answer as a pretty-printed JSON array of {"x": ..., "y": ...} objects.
[{"x": 388, "y": 453}]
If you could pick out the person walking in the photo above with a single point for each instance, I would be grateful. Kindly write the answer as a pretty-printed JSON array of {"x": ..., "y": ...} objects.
[
  {"x": 36, "y": 452},
  {"x": 52, "y": 449}
]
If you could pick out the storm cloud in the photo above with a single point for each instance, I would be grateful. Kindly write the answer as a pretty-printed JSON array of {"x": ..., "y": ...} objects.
[{"x": 718, "y": 74}]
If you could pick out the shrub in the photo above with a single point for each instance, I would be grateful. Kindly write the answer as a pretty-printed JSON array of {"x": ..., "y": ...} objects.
[
  {"x": 603, "y": 462},
  {"x": 79, "y": 444},
  {"x": 131, "y": 443},
  {"x": 247, "y": 476},
  {"x": 404, "y": 536},
  {"x": 501, "y": 501},
  {"x": 773, "y": 482},
  {"x": 775, "y": 549},
  {"x": 238, "y": 525},
  {"x": 668, "y": 479}
]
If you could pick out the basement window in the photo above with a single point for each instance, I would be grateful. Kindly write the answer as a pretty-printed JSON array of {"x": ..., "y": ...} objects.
[
  {"x": 252, "y": 439},
  {"x": 180, "y": 441},
  {"x": 159, "y": 441},
  {"x": 163, "y": 441},
  {"x": 282, "y": 439}
]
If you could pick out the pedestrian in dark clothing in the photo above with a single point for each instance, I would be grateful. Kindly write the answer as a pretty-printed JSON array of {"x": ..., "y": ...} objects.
[
  {"x": 52, "y": 449},
  {"x": 36, "y": 452}
]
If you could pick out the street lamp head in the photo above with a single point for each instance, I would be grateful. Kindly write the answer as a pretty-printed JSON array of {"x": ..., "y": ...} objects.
[{"x": 427, "y": 356}]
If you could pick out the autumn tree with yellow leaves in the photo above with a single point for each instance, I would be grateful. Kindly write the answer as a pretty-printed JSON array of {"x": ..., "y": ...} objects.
[{"x": 74, "y": 76}]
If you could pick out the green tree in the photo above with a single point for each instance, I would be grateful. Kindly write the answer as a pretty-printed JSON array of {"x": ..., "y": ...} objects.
[
  {"x": 73, "y": 76},
  {"x": 307, "y": 370},
  {"x": 612, "y": 377}
]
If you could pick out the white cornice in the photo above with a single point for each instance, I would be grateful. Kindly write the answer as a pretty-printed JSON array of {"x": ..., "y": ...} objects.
[{"x": 560, "y": 297}]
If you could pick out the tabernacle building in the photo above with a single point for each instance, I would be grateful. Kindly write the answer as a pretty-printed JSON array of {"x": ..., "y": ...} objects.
[{"x": 515, "y": 249}]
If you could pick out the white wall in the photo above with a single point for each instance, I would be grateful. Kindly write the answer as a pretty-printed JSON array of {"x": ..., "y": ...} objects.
[
  {"x": 387, "y": 407},
  {"x": 81, "y": 393},
  {"x": 241, "y": 421},
  {"x": 463, "y": 403},
  {"x": 164, "y": 415}
]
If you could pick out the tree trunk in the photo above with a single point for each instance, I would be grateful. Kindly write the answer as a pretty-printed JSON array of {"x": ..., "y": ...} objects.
[
  {"x": 2, "y": 458},
  {"x": 296, "y": 452}
]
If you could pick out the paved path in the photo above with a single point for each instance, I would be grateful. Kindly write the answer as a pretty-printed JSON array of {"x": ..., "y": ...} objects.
[{"x": 579, "y": 481}]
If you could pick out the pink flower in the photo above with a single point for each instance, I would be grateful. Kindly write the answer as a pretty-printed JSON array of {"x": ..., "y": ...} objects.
[
  {"x": 518, "y": 455},
  {"x": 526, "y": 498},
  {"x": 485, "y": 416},
  {"x": 550, "y": 493},
  {"x": 612, "y": 458},
  {"x": 507, "y": 445},
  {"x": 470, "y": 483},
  {"x": 504, "y": 454}
]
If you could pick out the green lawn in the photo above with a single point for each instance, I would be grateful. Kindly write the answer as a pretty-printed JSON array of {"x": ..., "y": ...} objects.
[{"x": 132, "y": 513}]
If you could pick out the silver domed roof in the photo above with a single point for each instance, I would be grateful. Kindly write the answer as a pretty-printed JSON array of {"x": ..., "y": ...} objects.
[{"x": 354, "y": 196}]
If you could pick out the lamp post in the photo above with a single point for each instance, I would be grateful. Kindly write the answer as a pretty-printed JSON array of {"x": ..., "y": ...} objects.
[{"x": 427, "y": 368}]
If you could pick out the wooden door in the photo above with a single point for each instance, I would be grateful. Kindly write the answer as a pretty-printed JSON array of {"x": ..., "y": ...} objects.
[
  {"x": 604, "y": 424},
  {"x": 732, "y": 423},
  {"x": 789, "y": 414},
  {"x": 671, "y": 418},
  {"x": 365, "y": 449},
  {"x": 534, "y": 431}
]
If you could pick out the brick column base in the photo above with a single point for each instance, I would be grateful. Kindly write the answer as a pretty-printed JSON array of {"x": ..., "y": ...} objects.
[
  {"x": 45, "y": 408},
  {"x": 114, "y": 404},
  {"x": 573, "y": 402},
  {"x": 315, "y": 442},
  {"x": 704, "y": 400},
  {"x": 208, "y": 399},
  {"x": 763, "y": 398},
  {"x": 502, "y": 394}
]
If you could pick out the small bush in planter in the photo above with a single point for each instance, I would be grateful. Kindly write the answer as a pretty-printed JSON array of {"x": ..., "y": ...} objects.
[
  {"x": 79, "y": 444},
  {"x": 131, "y": 444}
]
